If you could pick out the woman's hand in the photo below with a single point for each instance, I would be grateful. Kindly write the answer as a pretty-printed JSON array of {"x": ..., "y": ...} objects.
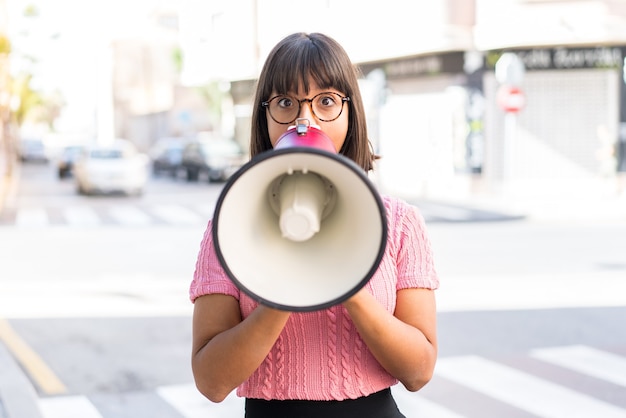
[{"x": 404, "y": 343}]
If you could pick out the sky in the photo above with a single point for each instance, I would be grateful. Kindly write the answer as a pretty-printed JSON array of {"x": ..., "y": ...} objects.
[{"x": 68, "y": 38}]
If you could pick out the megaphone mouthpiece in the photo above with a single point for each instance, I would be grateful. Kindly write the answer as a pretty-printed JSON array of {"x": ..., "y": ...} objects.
[{"x": 300, "y": 200}]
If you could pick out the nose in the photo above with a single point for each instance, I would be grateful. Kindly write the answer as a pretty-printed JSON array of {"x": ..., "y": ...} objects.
[{"x": 306, "y": 111}]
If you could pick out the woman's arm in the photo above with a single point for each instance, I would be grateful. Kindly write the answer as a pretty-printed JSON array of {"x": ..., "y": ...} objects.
[
  {"x": 227, "y": 350},
  {"x": 404, "y": 343}
]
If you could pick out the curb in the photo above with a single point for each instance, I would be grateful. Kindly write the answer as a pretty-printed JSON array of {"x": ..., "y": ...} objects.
[
  {"x": 18, "y": 397},
  {"x": 449, "y": 212}
]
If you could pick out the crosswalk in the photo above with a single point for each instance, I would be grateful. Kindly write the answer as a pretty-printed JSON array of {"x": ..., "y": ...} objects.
[
  {"x": 496, "y": 388},
  {"x": 126, "y": 215},
  {"x": 175, "y": 214}
]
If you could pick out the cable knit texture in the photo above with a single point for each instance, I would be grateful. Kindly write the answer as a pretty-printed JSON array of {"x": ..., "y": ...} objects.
[{"x": 320, "y": 355}]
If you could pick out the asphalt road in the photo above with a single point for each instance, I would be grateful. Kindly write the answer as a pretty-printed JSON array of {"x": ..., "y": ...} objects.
[{"x": 97, "y": 318}]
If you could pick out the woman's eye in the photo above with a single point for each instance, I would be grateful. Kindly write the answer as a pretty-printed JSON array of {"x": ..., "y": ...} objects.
[
  {"x": 285, "y": 102},
  {"x": 327, "y": 101}
]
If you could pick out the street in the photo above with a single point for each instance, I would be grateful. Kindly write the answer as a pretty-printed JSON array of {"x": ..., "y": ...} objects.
[{"x": 530, "y": 314}]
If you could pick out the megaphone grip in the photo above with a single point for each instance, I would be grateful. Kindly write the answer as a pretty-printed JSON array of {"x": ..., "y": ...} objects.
[{"x": 302, "y": 199}]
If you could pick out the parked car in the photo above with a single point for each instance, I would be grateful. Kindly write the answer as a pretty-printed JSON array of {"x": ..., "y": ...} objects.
[
  {"x": 67, "y": 159},
  {"x": 32, "y": 149},
  {"x": 215, "y": 158},
  {"x": 167, "y": 155},
  {"x": 117, "y": 167}
]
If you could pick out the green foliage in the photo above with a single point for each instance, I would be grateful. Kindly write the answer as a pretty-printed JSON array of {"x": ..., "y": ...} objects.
[
  {"x": 31, "y": 10},
  {"x": 213, "y": 96},
  {"x": 33, "y": 105},
  {"x": 5, "y": 44},
  {"x": 178, "y": 58}
]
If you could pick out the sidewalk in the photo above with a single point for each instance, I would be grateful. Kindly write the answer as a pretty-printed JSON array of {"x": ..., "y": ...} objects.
[
  {"x": 586, "y": 206},
  {"x": 18, "y": 398},
  {"x": 553, "y": 211},
  {"x": 463, "y": 211}
]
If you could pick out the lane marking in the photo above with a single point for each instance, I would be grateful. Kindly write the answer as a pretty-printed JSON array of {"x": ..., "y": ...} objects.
[
  {"x": 129, "y": 215},
  {"x": 186, "y": 399},
  {"x": 68, "y": 407},
  {"x": 28, "y": 218},
  {"x": 525, "y": 391},
  {"x": 38, "y": 370},
  {"x": 177, "y": 215},
  {"x": 81, "y": 216},
  {"x": 414, "y": 405},
  {"x": 586, "y": 360}
]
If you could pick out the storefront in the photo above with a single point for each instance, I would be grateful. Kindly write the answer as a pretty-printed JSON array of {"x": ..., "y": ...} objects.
[
  {"x": 441, "y": 130},
  {"x": 566, "y": 136},
  {"x": 421, "y": 127}
]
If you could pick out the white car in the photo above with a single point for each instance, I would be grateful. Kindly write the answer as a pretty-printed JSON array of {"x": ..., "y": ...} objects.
[{"x": 115, "y": 167}]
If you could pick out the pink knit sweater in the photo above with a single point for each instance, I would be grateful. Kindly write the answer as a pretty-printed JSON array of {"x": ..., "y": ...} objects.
[{"x": 320, "y": 355}]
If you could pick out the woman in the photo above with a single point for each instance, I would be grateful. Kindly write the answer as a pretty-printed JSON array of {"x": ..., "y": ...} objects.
[{"x": 341, "y": 361}]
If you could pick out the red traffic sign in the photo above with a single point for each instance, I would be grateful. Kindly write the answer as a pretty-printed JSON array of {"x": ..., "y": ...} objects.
[{"x": 511, "y": 98}]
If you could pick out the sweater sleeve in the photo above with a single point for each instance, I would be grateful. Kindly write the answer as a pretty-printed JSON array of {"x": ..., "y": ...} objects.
[
  {"x": 209, "y": 276},
  {"x": 415, "y": 261}
]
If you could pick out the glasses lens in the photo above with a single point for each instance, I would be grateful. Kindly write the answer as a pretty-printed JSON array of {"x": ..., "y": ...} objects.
[
  {"x": 284, "y": 109},
  {"x": 326, "y": 107}
]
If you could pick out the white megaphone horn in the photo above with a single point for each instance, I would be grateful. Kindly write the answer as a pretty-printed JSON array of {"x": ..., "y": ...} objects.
[{"x": 300, "y": 227}]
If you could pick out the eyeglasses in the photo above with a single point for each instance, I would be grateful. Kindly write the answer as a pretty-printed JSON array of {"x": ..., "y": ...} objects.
[{"x": 326, "y": 107}]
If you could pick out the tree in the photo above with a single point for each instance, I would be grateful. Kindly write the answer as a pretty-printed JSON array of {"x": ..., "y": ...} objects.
[
  {"x": 34, "y": 106},
  {"x": 6, "y": 138}
]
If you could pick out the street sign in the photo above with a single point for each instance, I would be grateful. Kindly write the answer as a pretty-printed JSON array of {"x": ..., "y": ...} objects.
[
  {"x": 510, "y": 69},
  {"x": 510, "y": 98}
]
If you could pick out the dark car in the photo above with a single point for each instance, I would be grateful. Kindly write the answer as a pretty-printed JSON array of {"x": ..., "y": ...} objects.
[
  {"x": 67, "y": 159},
  {"x": 167, "y": 155},
  {"x": 215, "y": 158}
]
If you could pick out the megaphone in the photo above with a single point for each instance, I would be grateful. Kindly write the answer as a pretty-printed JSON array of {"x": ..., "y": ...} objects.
[{"x": 300, "y": 227}]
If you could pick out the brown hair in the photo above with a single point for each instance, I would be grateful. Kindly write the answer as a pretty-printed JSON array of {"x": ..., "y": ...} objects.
[{"x": 290, "y": 64}]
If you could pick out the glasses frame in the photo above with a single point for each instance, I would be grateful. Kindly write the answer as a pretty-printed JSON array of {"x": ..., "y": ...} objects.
[{"x": 266, "y": 105}]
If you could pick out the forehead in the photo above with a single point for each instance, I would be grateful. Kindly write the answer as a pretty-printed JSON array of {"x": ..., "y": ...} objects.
[
  {"x": 305, "y": 76},
  {"x": 313, "y": 89},
  {"x": 304, "y": 89}
]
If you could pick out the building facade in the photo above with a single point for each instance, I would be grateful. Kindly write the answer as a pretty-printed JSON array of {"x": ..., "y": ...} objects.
[{"x": 437, "y": 119}]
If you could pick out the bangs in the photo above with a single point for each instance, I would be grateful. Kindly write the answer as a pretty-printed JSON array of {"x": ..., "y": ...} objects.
[{"x": 312, "y": 61}]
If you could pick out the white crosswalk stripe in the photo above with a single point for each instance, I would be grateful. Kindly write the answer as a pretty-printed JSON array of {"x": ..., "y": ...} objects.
[
  {"x": 177, "y": 215},
  {"x": 523, "y": 390},
  {"x": 412, "y": 405},
  {"x": 496, "y": 382},
  {"x": 68, "y": 407},
  {"x": 123, "y": 215},
  {"x": 191, "y": 404},
  {"x": 81, "y": 216},
  {"x": 586, "y": 360},
  {"x": 130, "y": 216},
  {"x": 32, "y": 218}
]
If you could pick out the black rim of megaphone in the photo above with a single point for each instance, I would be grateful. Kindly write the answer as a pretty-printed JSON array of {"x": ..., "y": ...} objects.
[{"x": 273, "y": 153}]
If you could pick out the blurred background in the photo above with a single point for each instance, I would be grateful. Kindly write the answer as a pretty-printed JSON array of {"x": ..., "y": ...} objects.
[
  {"x": 504, "y": 121},
  {"x": 550, "y": 125}
]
